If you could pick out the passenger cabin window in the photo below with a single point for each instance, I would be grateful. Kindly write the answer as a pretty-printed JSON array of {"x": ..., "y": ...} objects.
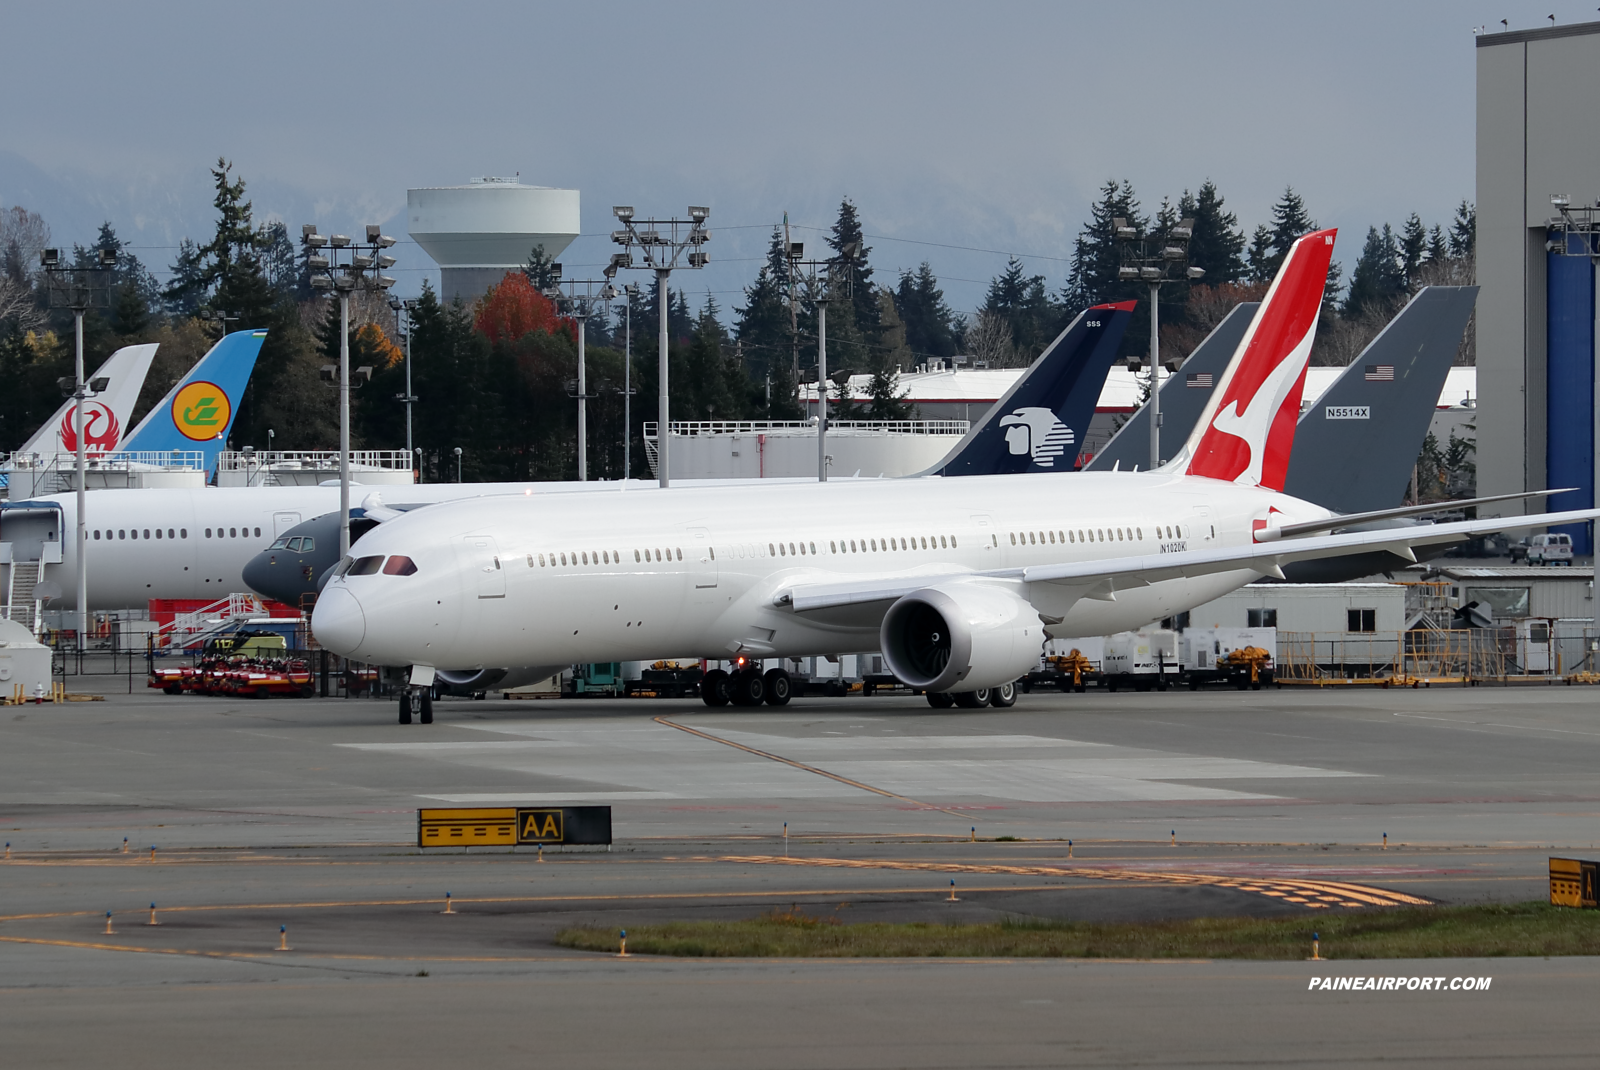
[
  {"x": 366, "y": 566},
  {"x": 403, "y": 566}
]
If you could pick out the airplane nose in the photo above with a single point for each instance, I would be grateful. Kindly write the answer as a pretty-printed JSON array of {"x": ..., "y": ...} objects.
[
  {"x": 337, "y": 621},
  {"x": 258, "y": 574}
]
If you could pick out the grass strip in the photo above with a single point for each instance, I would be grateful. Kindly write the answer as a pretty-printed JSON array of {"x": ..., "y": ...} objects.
[{"x": 1484, "y": 931}]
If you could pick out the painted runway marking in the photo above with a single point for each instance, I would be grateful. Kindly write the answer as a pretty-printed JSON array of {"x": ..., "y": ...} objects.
[
  {"x": 804, "y": 767},
  {"x": 1312, "y": 894}
]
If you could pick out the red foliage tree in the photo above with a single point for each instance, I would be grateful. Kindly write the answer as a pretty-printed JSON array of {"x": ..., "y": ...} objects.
[{"x": 514, "y": 308}]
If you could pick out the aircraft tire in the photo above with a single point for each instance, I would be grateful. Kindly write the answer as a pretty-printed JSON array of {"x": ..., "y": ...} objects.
[
  {"x": 1003, "y": 696},
  {"x": 971, "y": 700},
  {"x": 714, "y": 688},
  {"x": 427, "y": 709},
  {"x": 779, "y": 688},
  {"x": 939, "y": 700},
  {"x": 405, "y": 707},
  {"x": 749, "y": 688}
]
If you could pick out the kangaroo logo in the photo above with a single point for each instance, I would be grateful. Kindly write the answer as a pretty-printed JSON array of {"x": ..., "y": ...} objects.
[
  {"x": 201, "y": 411},
  {"x": 1037, "y": 432},
  {"x": 1255, "y": 423}
]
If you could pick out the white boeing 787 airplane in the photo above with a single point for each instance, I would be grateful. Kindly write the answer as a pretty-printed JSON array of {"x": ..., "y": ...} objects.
[{"x": 955, "y": 580}]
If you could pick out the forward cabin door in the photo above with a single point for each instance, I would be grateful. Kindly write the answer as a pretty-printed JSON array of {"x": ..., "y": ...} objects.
[
  {"x": 282, "y": 522},
  {"x": 702, "y": 562},
  {"x": 483, "y": 554},
  {"x": 986, "y": 532}
]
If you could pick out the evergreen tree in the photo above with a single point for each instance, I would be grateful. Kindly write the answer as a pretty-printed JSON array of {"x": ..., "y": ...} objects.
[
  {"x": 1290, "y": 221},
  {"x": 280, "y": 262},
  {"x": 540, "y": 269},
  {"x": 1413, "y": 252},
  {"x": 1464, "y": 231},
  {"x": 1096, "y": 255},
  {"x": 851, "y": 277},
  {"x": 1378, "y": 281},
  {"x": 1259, "y": 256},
  {"x": 1218, "y": 244},
  {"x": 1438, "y": 247},
  {"x": 930, "y": 326},
  {"x": 187, "y": 288},
  {"x": 762, "y": 324}
]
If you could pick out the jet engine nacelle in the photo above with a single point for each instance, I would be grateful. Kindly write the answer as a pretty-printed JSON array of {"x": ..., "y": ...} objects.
[
  {"x": 468, "y": 681},
  {"x": 961, "y": 637}
]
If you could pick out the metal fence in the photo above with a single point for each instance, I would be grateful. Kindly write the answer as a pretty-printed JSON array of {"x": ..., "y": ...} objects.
[{"x": 1543, "y": 651}]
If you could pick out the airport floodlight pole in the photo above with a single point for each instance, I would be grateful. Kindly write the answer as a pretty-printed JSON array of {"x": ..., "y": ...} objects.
[
  {"x": 819, "y": 290},
  {"x": 661, "y": 243},
  {"x": 458, "y": 464},
  {"x": 408, "y": 399},
  {"x": 1155, "y": 259},
  {"x": 74, "y": 286},
  {"x": 580, "y": 299},
  {"x": 629, "y": 292},
  {"x": 220, "y": 318},
  {"x": 343, "y": 266}
]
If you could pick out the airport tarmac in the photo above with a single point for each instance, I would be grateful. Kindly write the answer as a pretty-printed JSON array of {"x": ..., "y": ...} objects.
[{"x": 303, "y": 814}]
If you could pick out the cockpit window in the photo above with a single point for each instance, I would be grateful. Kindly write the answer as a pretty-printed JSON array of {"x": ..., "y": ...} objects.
[
  {"x": 307, "y": 544},
  {"x": 366, "y": 566},
  {"x": 399, "y": 566},
  {"x": 280, "y": 544},
  {"x": 293, "y": 544}
]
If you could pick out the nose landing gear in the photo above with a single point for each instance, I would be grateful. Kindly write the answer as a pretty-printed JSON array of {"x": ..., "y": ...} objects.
[{"x": 416, "y": 701}]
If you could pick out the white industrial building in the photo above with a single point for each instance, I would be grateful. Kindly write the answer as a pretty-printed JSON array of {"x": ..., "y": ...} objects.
[
  {"x": 776, "y": 449},
  {"x": 478, "y": 232},
  {"x": 1307, "y": 607}
]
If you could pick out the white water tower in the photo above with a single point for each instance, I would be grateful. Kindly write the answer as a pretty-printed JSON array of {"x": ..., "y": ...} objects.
[{"x": 478, "y": 232}]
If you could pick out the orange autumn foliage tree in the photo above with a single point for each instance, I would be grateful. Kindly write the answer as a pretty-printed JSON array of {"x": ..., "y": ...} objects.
[
  {"x": 514, "y": 308},
  {"x": 370, "y": 342}
]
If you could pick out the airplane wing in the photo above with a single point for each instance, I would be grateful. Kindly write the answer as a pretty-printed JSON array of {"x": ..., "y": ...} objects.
[{"x": 1101, "y": 578}]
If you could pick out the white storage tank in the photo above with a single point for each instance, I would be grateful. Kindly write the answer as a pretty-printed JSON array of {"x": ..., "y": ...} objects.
[
  {"x": 478, "y": 232},
  {"x": 24, "y": 662}
]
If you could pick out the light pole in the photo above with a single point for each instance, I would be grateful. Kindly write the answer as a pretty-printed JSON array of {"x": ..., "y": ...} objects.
[
  {"x": 409, "y": 308},
  {"x": 220, "y": 318},
  {"x": 581, "y": 299},
  {"x": 661, "y": 250},
  {"x": 77, "y": 295},
  {"x": 629, "y": 292},
  {"x": 338, "y": 264},
  {"x": 1155, "y": 259},
  {"x": 820, "y": 291},
  {"x": 458, "y": 464}
]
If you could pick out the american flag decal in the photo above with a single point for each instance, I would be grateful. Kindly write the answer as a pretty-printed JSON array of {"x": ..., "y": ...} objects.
[
  {"x": 1204, "y": 380},
  {"x": 1380, "y": 373}
]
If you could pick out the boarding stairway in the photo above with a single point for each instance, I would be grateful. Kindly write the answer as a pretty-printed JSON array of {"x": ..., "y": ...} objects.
[
  {"x": 20, "y": 604},
  {"x": 196, "y": 626}
]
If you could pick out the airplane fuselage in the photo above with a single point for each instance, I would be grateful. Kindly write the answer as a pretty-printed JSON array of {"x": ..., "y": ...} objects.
[{"x": 518, "y": 581}]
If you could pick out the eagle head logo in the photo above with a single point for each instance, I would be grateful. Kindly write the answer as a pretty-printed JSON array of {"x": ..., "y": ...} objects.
[{"x": 1037, "y": 432}]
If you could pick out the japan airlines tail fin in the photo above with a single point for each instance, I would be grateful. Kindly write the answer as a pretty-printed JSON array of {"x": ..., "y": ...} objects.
[
  {"x": 198, "y": 413},
  {"x": 1246, "y": 432},
  {"x": 1038, "y": 426},
  {"x": 106, "y": 416}
]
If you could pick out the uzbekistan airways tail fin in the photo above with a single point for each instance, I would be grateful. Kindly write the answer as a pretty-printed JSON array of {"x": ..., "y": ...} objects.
[
  {"x": 104, "y": 417},
  {"x": 1246, "y": 432},
  {"x": 198, "y": 413},
  {"x": 1038, "y": 426}
]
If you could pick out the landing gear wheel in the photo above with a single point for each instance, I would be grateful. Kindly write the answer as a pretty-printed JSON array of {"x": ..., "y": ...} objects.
[
  {"x": 405, "y": 707},
  {"x": 971, "y": 700},
  {"x": 1161, "y": 683},
  {"x": 939, "y": 700},
  {"x": 1003, "y": 696},
  {"x": 749, "y": 688},
  {"x": 779, "y": 688},
  {"x": 427, "y": 709},
  {"x": 714, "y": 688}
]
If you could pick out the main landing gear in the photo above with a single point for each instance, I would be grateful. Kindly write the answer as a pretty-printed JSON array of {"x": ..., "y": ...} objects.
[
  {"x": 416, "y": 701},
  {"x": 1002, "y": 696},
  {"x": 750, "y": 687}
]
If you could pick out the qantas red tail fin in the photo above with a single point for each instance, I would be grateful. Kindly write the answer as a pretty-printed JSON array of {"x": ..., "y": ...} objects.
[{"x": 1245, "y": 433}]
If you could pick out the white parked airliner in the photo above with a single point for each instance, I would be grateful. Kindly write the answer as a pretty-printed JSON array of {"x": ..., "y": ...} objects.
[{"x": 955, "y": 580}]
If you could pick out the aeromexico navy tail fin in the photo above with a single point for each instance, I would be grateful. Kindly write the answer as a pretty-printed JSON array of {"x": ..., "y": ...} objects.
[
  {"x": 1354, "y": 448},
  {"x": 197, "y": 414},
  {"x": 1038, "y": 426},
  {"x": 1183, "y": 396}
]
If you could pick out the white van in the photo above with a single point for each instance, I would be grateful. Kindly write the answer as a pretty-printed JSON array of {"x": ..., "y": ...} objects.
[{"x": 1552, "y": 549}]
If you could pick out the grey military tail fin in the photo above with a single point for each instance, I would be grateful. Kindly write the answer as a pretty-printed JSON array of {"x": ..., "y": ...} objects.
[
  {"x": 1355, "y": 447},
  {"x": 1183, "y": 398}
]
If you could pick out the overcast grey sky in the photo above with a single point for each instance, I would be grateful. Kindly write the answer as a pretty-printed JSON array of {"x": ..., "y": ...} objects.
[{"x": 984, "y": 126}]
